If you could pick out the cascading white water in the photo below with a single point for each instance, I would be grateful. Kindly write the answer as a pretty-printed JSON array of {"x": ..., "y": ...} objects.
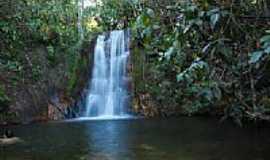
[{"x": 108, "y": 94}]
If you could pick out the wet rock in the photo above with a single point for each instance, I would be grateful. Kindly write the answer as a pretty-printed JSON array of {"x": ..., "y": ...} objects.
[{"x": 10, "y": 141}]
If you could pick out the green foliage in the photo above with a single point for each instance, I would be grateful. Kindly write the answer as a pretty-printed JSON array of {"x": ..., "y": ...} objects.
[
  {"x": 51, "y": 54},
  {"x": 197, "y": 90},
  {"x": 256, "y": 56},
  {"x": 80, "y": 64},
  {"x": 39, "y": 49},
  {"x": 27, "y": 24},
  {"x": 12, "y": 66},
  {"x": 195, "y": 52},
  {"x": 110, "y": 18},
  {"x": 195, "y": 55},
  {"x": 4, "y": 99},
  {"x": 264, "y": 50}
]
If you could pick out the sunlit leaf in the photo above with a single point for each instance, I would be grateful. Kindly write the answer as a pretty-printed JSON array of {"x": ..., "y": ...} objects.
[
  {"x": 256, "y": 56},
  {"x": 205, "y": 49},
  {"x": 267, "y": 50},
  {"x": 187, "y": 29},
  {"x": 169, "y": 53},
  {"x": 265, "y": 39},
  {"x": 214, "y": 19},
  {"x": 150, "y": 12}
]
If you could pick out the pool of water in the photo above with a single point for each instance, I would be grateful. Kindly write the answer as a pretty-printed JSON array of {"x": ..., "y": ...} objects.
[{"x": 139, "y": 139}]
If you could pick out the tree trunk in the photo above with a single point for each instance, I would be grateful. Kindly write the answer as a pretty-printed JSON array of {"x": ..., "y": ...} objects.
[{"x": 80, "y": 16}]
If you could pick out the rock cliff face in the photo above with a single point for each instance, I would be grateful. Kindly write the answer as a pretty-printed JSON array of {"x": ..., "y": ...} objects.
[
  {"x": 62, "y": 105},
  {"x": 48, "y": 96}
]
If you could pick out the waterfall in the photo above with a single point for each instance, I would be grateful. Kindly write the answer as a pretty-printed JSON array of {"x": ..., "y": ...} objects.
[{"x": 108, "y": 93}]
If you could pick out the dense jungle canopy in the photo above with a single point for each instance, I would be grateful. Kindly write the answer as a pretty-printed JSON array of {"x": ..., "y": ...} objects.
[{"x": 188, "y": 56}]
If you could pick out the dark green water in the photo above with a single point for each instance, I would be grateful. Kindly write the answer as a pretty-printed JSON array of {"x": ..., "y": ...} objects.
[{"x": 174, "y": 139}]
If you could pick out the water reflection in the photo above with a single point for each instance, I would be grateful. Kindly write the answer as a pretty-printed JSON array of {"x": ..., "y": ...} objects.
[
  {"x": 175, "y": 139},
  {"x": 108, "y": 140}
]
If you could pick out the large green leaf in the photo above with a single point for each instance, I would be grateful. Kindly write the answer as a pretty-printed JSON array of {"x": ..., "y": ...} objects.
[
  {"x": 214, "y": 19},
  {"x": 265, "y": 39},
  {"x": 169, "y": 53},
  {"x": 256, "y": 56},
  {"x": 267, "y": 50},
  {"x": 150, "y": 13}
]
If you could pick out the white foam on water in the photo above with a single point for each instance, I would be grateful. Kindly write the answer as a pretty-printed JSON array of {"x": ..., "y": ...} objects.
[{"x": 102, "y": 118}]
